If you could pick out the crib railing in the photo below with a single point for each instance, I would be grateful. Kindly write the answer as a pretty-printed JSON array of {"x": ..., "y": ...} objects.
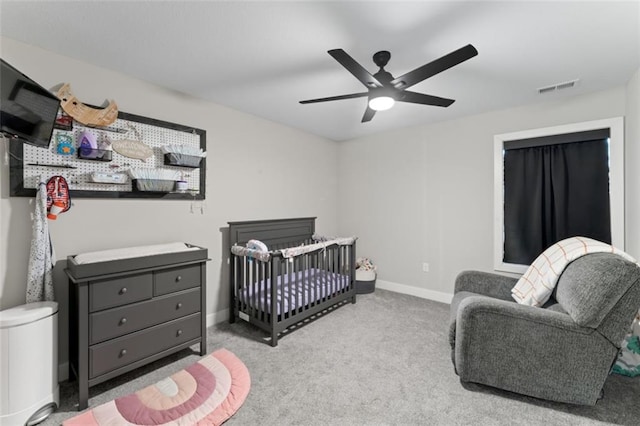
[{"x": 304, "y": 286}]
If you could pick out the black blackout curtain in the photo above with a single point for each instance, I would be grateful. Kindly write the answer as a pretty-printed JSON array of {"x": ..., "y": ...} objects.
[{"x": 554, "y": 188}]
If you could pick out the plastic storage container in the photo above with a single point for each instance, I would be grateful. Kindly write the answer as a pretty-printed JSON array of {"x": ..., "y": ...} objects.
[{"x": 29, "y": 389}]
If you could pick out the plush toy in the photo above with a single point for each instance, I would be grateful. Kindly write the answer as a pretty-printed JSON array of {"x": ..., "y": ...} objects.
[{"x": 365, "y": 264}]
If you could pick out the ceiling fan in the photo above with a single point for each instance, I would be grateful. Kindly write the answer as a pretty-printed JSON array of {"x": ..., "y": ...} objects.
[{"x": 383, "y": 90}]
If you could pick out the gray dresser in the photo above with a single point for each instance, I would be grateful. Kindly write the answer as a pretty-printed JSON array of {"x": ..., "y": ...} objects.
[{"x": 127, "y": 313}]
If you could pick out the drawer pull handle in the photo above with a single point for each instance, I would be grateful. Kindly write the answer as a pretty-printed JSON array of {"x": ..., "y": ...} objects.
[
  {"x": 123, "y": 352},
  {"x": 179, "y": 305},
  {"x": 179, "y": 278},
  {"x": 179, "y": 333},
  {"x": 123, "y": 321},
  {"x": 123, "y": 290}
]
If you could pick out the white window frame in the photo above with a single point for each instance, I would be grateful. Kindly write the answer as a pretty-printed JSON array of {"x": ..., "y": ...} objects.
[{"x": 616, "y": 181}]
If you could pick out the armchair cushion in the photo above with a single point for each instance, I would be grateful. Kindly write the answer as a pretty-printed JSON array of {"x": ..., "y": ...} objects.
[
  {"x": 590, "y": 287},
  {"x": 485, "y": 283},
  {"x": 562, "y": 351},
  {"x": 538, "y": 282}
]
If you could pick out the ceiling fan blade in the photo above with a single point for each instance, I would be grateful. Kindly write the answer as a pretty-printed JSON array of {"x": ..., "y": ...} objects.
[
  {"x": 434, "y": 67},
  {"x": 354, "y": 68},
  {"x": 368, "y": 114},
  {"x": 421, "y": 98},
  {"x": 335, "y": 98}
]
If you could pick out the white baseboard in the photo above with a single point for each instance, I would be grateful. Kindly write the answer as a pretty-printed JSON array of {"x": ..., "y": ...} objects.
[
  {"x": 437, "y": 296},
  {"x": 217, "y": 317}
]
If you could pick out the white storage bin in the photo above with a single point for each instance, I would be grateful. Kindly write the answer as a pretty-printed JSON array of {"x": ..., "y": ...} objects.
[{"x": 365, "y": 281}]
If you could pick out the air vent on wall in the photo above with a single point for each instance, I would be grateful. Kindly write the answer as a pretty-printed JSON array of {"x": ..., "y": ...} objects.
[{"x": 558, "y": 86}]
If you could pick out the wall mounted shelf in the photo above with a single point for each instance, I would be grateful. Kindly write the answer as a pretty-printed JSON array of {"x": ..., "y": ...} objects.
[{"x": 28, "y": 164}]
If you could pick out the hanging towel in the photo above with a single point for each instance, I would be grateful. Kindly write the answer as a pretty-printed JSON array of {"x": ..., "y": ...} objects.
[{"x": 41, "y": 257}]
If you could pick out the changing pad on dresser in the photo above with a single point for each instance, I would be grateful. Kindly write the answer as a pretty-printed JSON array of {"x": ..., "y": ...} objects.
[{"x": 130, "y": 258}]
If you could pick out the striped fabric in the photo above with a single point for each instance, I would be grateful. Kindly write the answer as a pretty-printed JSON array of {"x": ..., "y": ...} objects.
[
  {"x": 255, "y": 251},
  {"x": 322, "y": 243},
  {"x": 536, "y": 285}
]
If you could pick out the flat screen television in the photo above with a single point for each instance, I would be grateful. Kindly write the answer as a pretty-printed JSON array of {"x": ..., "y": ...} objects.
[{"x": 27, "y": 110}]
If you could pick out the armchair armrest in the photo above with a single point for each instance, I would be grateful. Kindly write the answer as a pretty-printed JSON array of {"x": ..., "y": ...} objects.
[
  {"x": 485, "y": 283},
  {"x": 529, "y": 350},
  {"x": 492, "y": 309}
]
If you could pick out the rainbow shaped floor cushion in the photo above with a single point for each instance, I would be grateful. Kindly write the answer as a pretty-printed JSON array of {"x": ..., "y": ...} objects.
[{"x": 208, "y": 392}]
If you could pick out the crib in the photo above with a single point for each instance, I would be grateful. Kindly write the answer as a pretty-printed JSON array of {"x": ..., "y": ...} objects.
[{"x": 311, "y": 276}]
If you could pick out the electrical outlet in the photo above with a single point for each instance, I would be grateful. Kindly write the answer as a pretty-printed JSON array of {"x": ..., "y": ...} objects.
[{"x": 425, "y": 267}]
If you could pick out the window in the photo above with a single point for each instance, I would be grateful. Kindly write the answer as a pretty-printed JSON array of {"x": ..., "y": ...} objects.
[{"x": 585, "y": 163}]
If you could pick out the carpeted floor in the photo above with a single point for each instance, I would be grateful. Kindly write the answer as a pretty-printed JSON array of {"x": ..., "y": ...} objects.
[{"x": 383, "y": 361}]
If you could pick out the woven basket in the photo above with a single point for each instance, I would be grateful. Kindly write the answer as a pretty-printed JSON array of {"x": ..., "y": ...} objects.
[
  {"x": 154, "y": 185},
  {"x": 183, "y": 160}
]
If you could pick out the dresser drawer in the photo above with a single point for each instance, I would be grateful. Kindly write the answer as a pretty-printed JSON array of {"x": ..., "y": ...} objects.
[
  {"x": 176, "y": 279},
  {"x": 117, "y": 322},
  {"x": 119, "y": 352},
  {"x": 120, "y": 291}
]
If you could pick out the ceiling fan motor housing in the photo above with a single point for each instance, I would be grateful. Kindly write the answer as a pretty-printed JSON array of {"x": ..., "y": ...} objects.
[{"x": 381, "y": 58}]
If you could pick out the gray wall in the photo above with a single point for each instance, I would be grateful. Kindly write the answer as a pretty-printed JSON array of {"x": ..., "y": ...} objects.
[
  {"x": 256, "y": 169},
  {"x": 425, "y": 194},
  {"x": 632, "y": 160},
  {"x": 422, "y": 194}
]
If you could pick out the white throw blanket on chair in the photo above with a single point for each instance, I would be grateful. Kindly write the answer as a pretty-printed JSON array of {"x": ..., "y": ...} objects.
[
  {"x": 536, "y": 285},
  {"x": 41, "y": 257}
]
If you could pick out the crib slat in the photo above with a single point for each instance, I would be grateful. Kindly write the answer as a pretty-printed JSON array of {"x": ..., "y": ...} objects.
[
  {"x": 341, "y": 258},
  {"x": 296, "y": 285},
  {"x": 312, "y": 288},
  {"x": 306, "y": 288},
  {"x": 259, "y": 289},
  {"x": 240, "y": 284},
  {"x": 336, "y": 270},
  {"x": 292, "y": 277},
  {"x": 303, "y": 283},
  {"x": 333, "y": 274},
  {"x": 256, "y": 286},
  {"x": 283, "y": 271},
  {"x": 264, "y": 290},
  {"x": 252, "y": 281},
  {"x": 259, "y": 278},
  {"x": 274, "y": 271},
  {"x": 318, "y": 284},
  {"x": 233, "y": 305},
  {"x": 330, "y": 270},
  {"x": 316, "y": 271}
]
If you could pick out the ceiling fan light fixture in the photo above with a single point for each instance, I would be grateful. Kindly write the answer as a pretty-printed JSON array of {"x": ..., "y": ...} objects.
[{"x": 381, "y": 103}]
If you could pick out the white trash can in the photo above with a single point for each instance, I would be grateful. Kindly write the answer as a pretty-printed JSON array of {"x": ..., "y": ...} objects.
[{"x": 29, "y": 389}]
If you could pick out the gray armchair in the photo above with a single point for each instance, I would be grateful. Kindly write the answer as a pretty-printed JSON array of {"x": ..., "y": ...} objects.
[{"x": 562, "y": 351}]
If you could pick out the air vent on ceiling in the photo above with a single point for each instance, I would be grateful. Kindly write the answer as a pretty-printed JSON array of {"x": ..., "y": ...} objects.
[{"x": 558, "y": 86}]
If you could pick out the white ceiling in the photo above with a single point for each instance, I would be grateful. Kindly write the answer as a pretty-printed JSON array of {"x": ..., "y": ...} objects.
[{"x": 263, "y": 57}]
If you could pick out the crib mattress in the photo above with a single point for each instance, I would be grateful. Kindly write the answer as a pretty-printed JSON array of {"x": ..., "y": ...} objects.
[{"x": 306, "y": 287}]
